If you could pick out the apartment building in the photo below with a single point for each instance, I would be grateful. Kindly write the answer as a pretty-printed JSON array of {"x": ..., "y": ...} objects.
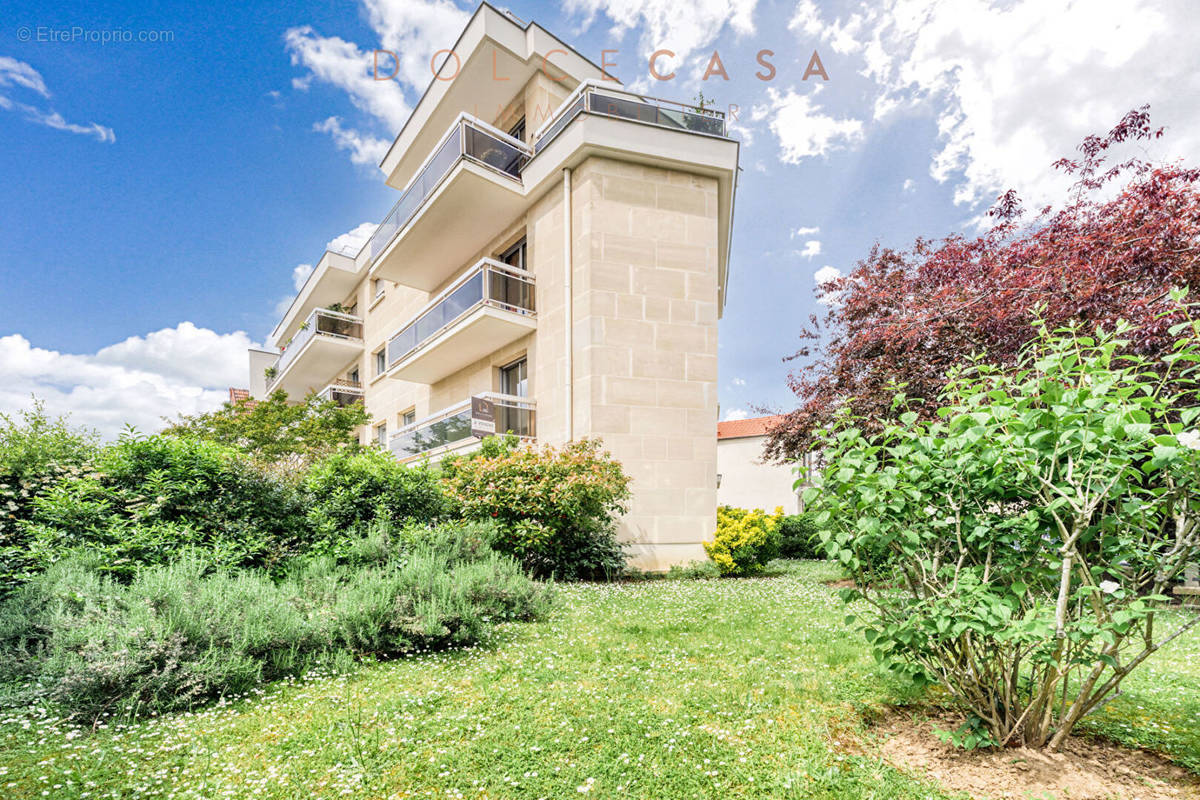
[{"x": 555, "y": 266}]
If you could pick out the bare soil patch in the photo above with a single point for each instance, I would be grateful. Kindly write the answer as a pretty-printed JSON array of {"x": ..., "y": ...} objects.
[{"x": 1085, "y": 769}]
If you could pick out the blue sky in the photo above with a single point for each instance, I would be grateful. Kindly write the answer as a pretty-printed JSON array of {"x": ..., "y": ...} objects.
[{"x": 161, "y": 197}]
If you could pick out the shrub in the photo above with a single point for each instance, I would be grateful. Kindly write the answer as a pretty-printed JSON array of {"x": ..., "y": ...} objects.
[
  {"x": 35, "y": 453},
  {"x": 1035, "y": 528},
  {"x": 347, "y": 492},
  {"x": 281, "y": 436},
  {"x": 799, "y": 538},
  {"x": 143, "y": 498},
  {"x": 555, "y": 508},
  {"x": 188, "y": 631},
  {"x": 745, "y": 540}
]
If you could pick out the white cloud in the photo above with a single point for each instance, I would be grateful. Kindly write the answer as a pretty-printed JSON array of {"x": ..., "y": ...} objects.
[
  {"x": 364, "y": 149},
  {"x": 300, "y": 274},
  {"x": 177, "y": 370},
  {"x": 18, "y": 74},
  {"x": 666, "y": 24},
  {"x": 822, "y": 276},
  {"x": 812, "y": 248},
  {"x": 353, "y": 239},
  {"x": 738, "y": 382},
  {"x": 802, "y": 128},
  {"x": 414, "y": 30},
  {"x": 826, "y": 274},
  {"x": 342, "y": 64},
  {"x": 734, "y": 414},
  {"x": 805, "y": 231},
  {"x": 1014, "y": 86},
  {"x": 909, "y": 186}
]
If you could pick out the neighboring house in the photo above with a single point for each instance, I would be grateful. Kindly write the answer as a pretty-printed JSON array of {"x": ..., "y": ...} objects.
[
  {"x": 744, "y": 479},
  {"x": 554, "y": 266}
]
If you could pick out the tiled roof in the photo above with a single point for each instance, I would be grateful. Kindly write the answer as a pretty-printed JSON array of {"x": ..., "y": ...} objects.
[{"x": 742, "y": 428}]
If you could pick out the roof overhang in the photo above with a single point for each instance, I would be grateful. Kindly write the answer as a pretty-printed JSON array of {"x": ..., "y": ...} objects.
[
  {"x": 495, "y": 56},
  {"x": 331, "y": 280}
]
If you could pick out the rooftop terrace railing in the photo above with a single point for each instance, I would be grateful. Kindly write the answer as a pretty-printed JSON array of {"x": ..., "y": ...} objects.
[{"x": 596, "y": 98}]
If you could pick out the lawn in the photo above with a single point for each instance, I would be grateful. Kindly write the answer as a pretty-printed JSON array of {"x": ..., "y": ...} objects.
[{"x": 661, "y": 689}]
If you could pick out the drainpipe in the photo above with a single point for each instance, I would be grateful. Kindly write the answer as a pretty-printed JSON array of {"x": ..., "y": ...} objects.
[{"x": 567, "y": 305}]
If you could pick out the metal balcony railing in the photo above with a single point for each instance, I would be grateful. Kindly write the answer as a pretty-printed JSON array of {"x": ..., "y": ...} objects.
[
  {"x": 468, "y": 138},
  {"x": 452, "y": 425},
  {"x": 604, "y": 100},
  {"x": 343, "y": 392},
  {"x": 321, "y": 322},
  {"x": 488, "y": 283}
]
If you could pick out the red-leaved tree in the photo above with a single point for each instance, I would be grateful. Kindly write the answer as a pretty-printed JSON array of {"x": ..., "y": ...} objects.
[{"x": 903, "y": 318}]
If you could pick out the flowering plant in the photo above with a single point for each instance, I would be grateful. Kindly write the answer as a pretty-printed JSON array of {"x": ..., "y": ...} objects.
[{"x": 556, "y": 507}]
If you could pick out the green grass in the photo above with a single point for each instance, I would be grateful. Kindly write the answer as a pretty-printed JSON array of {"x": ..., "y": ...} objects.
[
  {"x": 1159, "y": 705},
  {"x": 656, "y": 689}
]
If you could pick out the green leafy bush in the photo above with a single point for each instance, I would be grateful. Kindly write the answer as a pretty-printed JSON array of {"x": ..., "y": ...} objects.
[
  {"x": 143, "y": 498},
  {"x": 281, "y": 436},
  {"x": 555, "y": 508},
  {"x": 799, "y": 537},
  {"x": 179, "y": 634},
  {"x": 35, "y": 453},
  {"x": 745, "y": 540},
  {"x": 349, "y": 491},
  {"x": 1035, "y": 529}
]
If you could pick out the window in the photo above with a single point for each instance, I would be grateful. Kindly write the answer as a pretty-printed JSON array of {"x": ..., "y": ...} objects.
[
  {"x": 518, "y": 131},
  {"x": 514, "y": 379},
  {"x": 408, "y": 417},
  {"x": 380, "y": 362},
  {"x": 376, "y": 287},
  {"x": 381, "y": 434},
  {"x": 515, "y": 255},
  {"x": 354, "y": 377}
]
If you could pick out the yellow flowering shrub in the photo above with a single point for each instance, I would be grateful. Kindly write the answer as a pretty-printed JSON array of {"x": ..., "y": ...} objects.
[{"x": 745, "y": 541}]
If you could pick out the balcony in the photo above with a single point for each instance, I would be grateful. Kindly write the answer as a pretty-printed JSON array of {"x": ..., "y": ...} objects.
[
  {"x": 489, "y": 307},
  {"x": 325, "y": 342},
  {"x": 464, "y": 195},
  {"x": 342, "y": 392},
  {"x": 334, "y": 277},
  {"x": 461, "y": 426}
]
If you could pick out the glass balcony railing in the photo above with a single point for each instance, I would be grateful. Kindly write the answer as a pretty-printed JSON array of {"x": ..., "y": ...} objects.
[
  {"x": 488, "y": 283},
  {"x": 321, "y": 322},
  {"x": 611, "y": 102},
  {"x": 453, "y": 425},
  {"x": 342, "y": 392},
  {"x": 467, "y": 138}
]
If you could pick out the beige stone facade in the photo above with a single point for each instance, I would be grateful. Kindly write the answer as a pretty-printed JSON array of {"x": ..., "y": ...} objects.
[{"x": 629, "y": 355}]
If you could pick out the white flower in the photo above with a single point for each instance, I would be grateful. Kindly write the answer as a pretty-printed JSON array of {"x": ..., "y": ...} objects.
[
  {"x": 1190, "y": 439},
  {"x": 1108, "y": 587},
  {"x": 585, "y": 787}
]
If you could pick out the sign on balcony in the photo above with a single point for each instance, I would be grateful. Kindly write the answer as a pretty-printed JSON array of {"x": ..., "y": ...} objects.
[{"x": 483, "y": 417}]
